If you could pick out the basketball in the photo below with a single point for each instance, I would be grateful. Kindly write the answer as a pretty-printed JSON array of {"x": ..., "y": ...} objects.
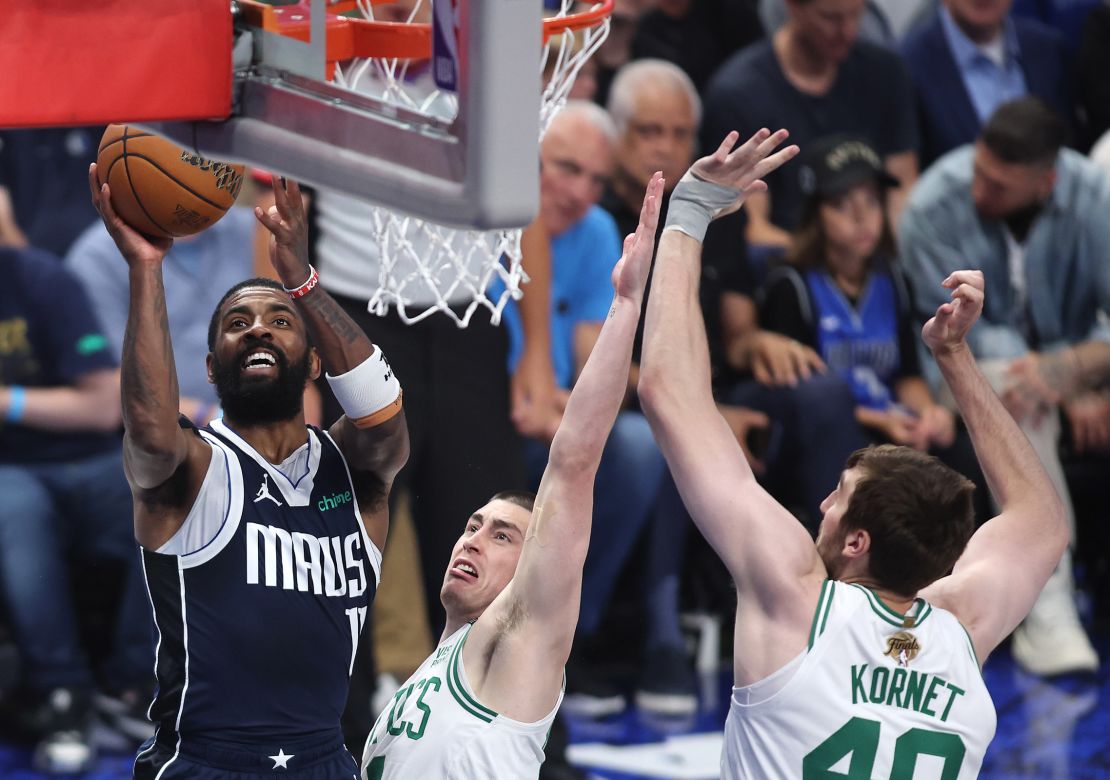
[{"x": 160, "y": 189}]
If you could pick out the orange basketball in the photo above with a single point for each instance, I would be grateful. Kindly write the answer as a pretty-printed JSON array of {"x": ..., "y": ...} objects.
[{"x": 160, "y": 189}]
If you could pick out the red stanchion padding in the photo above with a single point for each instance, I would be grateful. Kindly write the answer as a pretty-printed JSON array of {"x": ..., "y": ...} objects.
[{"x": 103, "y": 61}]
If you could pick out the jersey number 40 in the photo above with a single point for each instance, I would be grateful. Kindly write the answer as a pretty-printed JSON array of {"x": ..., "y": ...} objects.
[{"x": 859, "y": 737}]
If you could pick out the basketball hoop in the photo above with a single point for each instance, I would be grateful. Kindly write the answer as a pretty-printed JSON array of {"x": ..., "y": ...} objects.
[{"x": 398, "y": 62}]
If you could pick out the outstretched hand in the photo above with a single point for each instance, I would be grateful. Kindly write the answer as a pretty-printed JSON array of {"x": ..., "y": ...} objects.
[
  {"x": 743, "y": 168},
  {"x": 631, "y": 271},
  {"x": 947, "y": 331},
  {"x": 288, "y": 226},
  {"x": 133, "y": 245}
]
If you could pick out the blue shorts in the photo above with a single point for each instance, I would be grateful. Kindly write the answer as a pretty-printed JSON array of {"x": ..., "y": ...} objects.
[{"x": 305, "y": 760}]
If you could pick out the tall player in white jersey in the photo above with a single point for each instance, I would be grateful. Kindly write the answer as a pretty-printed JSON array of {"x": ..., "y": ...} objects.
[
  {"x": 482, "y": 704},
  {"x": 858, "y": 656}
]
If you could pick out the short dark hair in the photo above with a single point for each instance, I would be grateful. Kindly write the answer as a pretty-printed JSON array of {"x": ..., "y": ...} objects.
[
  {"x": 918, "y": 512},
  {"x": 1025, "y": 131},
  {"x": 214, "y": 323},
  {"x": 522, "y": 498}
]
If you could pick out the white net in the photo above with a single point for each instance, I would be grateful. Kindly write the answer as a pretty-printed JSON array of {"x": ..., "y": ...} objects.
[{"x": 425, "y": 267}]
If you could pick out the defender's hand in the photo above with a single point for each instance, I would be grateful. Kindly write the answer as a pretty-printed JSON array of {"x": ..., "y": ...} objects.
[
  {"x": 743, "y": 169},
  {"x": 133, "y": 245},
  {"x": 946, "y": 332},
  {"x": 631, "y": 271},
  {"x": 288, "y": 228}
]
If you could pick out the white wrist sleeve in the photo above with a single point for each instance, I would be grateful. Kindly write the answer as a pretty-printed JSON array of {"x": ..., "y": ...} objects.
[{"x": 369, "y": 393}]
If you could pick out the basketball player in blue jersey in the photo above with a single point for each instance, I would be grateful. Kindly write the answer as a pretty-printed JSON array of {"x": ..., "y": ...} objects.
[
  {"x": 861, "y": 652},
  {"x": 260, "y": 536}
]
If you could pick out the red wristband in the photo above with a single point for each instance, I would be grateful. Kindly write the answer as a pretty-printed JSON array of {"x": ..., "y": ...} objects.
[{"x": 306, "y": 288}]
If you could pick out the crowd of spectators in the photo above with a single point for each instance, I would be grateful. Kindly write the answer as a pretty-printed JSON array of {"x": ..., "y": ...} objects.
[{"x": 935, "y": 135}]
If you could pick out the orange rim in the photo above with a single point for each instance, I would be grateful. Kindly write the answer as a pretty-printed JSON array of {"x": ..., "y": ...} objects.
[{"x": 350, "y": 37}]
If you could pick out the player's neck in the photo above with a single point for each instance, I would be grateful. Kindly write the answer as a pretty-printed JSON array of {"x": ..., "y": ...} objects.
[
  {"x": 896, "y": 601},
  {"x": 453, "y": 624},
  {"x": 274, "y": 441}
]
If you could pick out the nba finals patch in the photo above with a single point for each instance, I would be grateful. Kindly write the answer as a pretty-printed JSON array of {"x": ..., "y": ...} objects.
[{"x": 902, "y": 647}]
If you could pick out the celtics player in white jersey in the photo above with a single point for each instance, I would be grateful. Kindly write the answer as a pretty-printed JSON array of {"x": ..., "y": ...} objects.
[
  {"x": 857, "y": 657},
  {"x": 482, "y": 704}
]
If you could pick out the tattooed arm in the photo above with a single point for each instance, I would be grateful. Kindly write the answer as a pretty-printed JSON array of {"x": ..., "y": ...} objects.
[
  {"x": 165, "y": 466},
  {"x": 376, "y": 454}
]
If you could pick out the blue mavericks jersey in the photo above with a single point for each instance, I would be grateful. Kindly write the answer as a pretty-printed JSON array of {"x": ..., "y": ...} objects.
[
  {"x": 258, "y": 627},
  {"x": 858, "y": 343}
]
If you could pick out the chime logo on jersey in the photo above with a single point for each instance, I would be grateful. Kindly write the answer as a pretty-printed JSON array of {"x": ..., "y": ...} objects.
[
  {"x": 902, "y": 647},
  {"x": 324, "y": 565}
]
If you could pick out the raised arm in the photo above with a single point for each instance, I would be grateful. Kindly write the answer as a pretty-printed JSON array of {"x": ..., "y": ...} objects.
[
  {"x": 713, "y": 476},
  {"x": 372, "y": 434},
  {"x": 769, "y": 554},
  {"x": 165, "y": 466},
  {"x": 518, "y": 647},
  {"x": 1009, "y": 559}
]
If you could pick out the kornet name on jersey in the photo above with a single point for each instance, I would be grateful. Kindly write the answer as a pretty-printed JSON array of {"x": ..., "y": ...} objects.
[
  {"x": 876, "y": 694},
  {"x": 261, "y": 597}
]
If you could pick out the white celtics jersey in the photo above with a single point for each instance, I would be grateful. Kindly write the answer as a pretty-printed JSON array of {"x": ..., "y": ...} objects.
[
  {"x": 435, "y": 728},
  {"x": 877, "y": 695}
]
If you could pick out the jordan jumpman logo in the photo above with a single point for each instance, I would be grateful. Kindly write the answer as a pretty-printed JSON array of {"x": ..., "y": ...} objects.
[{"x": 264, "y": 491}]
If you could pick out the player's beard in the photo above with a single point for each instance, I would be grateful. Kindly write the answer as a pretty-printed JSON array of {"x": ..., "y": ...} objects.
[{"x": 251, "y": 401}]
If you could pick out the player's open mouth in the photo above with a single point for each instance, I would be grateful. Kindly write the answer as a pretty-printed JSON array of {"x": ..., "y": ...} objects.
[
  {"x": 259, "y": 361},
  {"x": 464, "y": 570}
]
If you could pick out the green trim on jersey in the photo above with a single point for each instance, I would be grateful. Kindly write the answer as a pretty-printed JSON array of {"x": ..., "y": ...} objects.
[
  {"x": 971, "y": 649},
  {"x": 458, "y": 690},
  {"x": 821, "y": 613},
  {"x": 923, "y": 607}
]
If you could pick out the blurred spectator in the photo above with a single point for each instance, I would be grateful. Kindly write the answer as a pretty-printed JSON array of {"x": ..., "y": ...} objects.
[
  {"x": 815, "y": 78},
  {"x": 1064, "y": 16},
  {"x": 197, "y": 269},
  {"x": 972, "y": 57},
  {"x": 696, "y": 35},
  {"x": 905, "y": 15},
  {"x": 1094, "y": 65},
  {"x": 616, "y": 50},
  {"x": 844, "y": 295},
  {"x": 63, "y": 496},
  {"x": 874, "y": 26},
  {"x": 46, "y": 171},
  {"x": 1100, "y": 153},
  {"x": 633, "y": 493},
  {"x": 1032, "y": 217}
]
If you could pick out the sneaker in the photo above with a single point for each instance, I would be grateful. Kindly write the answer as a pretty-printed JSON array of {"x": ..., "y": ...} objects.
[
  {"x": 589, "y": 695},
  {"x": 1051, "y": 641},
  {"x": 64, "y": 718},
  {"x": 125, "y": 714},
  {"x": 668, "y": 686}
]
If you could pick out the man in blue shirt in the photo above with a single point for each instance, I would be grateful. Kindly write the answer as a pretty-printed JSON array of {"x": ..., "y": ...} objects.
[
  {"x": 1033, "y": 217},
  {"x": 971, "y": 58}
]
